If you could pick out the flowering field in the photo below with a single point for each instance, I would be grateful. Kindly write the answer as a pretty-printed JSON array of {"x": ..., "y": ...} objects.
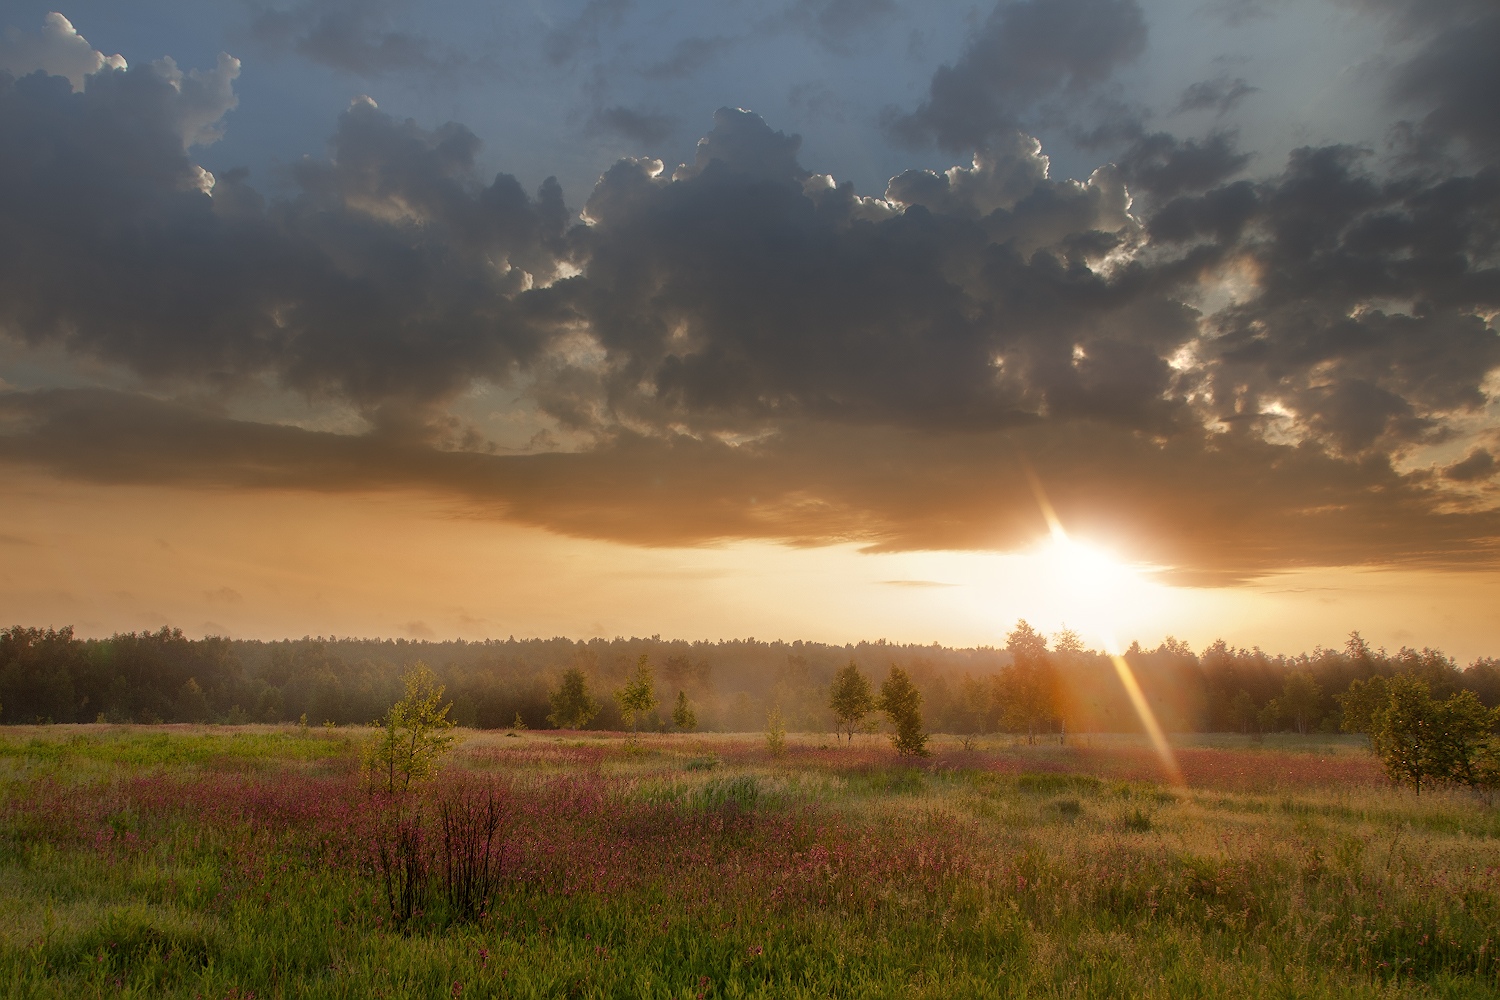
[{"x": 214, "y": 862}]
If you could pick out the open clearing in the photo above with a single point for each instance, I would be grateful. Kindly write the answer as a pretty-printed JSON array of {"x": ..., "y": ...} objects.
[{"x": 217, "y": 862}]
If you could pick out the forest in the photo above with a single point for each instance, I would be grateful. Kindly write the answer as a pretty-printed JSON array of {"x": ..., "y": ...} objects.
[{"x": 1033, "y": 684}]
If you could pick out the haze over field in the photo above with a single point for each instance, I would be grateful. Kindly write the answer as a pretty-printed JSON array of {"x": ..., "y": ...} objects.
[{"x": 820, "y": 319}]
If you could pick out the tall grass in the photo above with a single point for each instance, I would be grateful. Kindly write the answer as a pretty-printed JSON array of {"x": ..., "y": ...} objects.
[{"x": 538, "y": 870}]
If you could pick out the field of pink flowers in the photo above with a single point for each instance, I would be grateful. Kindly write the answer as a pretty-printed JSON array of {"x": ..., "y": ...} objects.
[{"x": 707, "y": 867}]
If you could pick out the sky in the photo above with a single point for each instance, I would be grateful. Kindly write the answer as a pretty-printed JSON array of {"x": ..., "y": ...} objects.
[{"x": 820, "y": 319}]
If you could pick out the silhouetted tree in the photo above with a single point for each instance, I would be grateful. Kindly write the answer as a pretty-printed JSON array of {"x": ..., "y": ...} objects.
[{"x": 1026, "y": 689}]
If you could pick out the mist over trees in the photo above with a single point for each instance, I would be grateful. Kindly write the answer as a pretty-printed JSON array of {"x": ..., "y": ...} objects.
[{"x": 1034, "y": 685}]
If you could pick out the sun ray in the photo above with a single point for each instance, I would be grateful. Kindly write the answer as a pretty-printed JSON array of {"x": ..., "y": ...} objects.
[{"x": 1093, "y": 573}]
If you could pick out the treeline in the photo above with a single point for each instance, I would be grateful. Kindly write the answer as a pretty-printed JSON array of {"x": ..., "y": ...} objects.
[{"x": 1034, "y": 683}]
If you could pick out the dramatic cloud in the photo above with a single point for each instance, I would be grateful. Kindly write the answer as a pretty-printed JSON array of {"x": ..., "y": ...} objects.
[
  {"x": 1457, "y": 76},
  {"x": 395, "y": 279},
  {"x": 58, "y": 51},
  {"x": 1027, "y": 52},
  {"x": 1451, "y": 77},
  {"x": 1162, "y": 165},
  {"x": 1223, "y": 374},
  {"x": 1217, "y": 510}
]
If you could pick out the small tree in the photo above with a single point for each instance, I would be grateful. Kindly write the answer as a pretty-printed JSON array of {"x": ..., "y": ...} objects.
[
  {"x": 1268, "y": 719},
  {"x": 683, "y": 716},
  {"x": 639, "y": 693},
  {"x": 976, "y": 700},
  {"x": 1361, "y": 701},
  {"x": 1400, "y": 730},
  {"x": 775, "y": 732},
  {"x": 572, "y": 705},
  {"x": 1462, "y": 751},
  {"x": 1026, "y": 689},
  {"x": 1422, "y": 740},
  {"x": 850, "y": 699},
  {"x": 902, "y": 704},
  {"x": 414, "y": 733}
]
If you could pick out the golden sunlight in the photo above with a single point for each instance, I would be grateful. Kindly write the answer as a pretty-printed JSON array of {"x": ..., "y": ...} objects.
[{"x": 1098, "y": 588}]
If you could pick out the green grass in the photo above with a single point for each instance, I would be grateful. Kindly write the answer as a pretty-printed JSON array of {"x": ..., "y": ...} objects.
[
  {"x": 652, "y": 875},
  {"x": 145, "y": 749}
]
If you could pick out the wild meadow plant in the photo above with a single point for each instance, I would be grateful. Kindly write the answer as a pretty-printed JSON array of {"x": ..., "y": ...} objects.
[{"x": 538, "y": 868}]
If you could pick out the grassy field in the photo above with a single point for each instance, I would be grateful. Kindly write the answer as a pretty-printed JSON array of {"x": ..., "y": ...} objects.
[{"x": 223, "y": 862}]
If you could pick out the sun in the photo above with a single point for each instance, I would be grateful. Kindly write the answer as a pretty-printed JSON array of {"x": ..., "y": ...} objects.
[{"x": 1095, "y": 588}]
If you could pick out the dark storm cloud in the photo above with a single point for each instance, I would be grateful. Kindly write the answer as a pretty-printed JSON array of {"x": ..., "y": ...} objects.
[
  {"x": 1027, "y": 52},
  {"x": 644, "y": 127},
  {"x": 1164, "y": 166},
  {"x": 1452, "y": 76},
  {"x": 1457, "y": 75},
  {"x": 1221, "y": 94},
  {"x": 1230, "y": 377},
  {"x": 356, "y": 36},
  {"x": 1218, "y": 513},
  {"x": 393, "y": 280},
  {"x": 1479, "y": 466},
  {"x": 1335, "y": 252}
]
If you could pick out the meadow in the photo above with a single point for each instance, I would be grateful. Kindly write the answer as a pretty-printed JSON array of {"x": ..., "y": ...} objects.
[{"x": 235, "y": 862}]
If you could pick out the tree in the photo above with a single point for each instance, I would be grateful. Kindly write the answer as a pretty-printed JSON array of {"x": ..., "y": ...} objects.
[
  {"x": 1299, "y": 700},
  {"x": 1242, "y": 711},
  {"x": 683, "y": 716},
  {"x": 1462, "y": 750},
  {"x": 976, "y": 701},
  {"x": 775, "y": 732},
  {"x": 1268, "y": 719},
  {"x": 572, "y": 705},
  {"x": 1361, "y": 701},
  {"x": 1067, "y": 641},
  {"x": 850, "y": 699},
  {"x": 192, "y": 705},
  {"x": 1026, "y": 689},
  {"x": 902, "y": 704},
  {"x": 639, "y": 693},
  {"x": 1400, "y": 730},
  {"x": 1419, "y": 739},
  {"x": 414, "y": 733}
]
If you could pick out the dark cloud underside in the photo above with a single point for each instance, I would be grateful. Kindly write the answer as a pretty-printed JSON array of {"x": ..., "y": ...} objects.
[{"x": 1229, "y": 375}]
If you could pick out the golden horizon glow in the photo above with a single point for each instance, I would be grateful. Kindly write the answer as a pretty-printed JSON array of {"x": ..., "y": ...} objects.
[
  {"x": 1099, "y": 581},
  {"x": 272, "y": 565}
]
